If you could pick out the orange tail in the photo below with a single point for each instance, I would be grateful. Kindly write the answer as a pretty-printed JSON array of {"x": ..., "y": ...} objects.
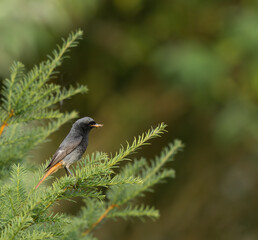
[{"x": 50, "y": 171}]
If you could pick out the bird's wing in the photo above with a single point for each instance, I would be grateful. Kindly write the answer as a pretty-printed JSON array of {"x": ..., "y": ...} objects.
[{"x": 63, "y": 151}]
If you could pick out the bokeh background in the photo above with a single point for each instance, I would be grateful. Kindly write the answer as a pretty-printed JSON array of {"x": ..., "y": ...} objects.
[{"x": 191, "y": 64}]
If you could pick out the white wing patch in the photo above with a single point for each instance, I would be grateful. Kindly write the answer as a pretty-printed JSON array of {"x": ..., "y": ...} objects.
[{"x": 59, "y": 152}]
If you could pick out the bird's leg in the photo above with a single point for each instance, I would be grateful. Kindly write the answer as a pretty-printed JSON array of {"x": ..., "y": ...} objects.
[{"x": 68, "y": 172}]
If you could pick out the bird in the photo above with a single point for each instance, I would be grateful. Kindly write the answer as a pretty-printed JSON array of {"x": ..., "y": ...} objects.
[{"x": 72, "y": 148}]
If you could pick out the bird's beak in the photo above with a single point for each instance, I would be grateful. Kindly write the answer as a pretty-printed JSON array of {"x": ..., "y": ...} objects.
[{"x": 97, "y": 125}]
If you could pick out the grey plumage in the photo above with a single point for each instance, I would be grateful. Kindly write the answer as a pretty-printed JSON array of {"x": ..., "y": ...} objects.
[{"x": 72, "y": 147}]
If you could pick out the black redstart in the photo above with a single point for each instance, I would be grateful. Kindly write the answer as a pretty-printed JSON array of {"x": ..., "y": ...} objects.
[{"x": 72, "y": 147}]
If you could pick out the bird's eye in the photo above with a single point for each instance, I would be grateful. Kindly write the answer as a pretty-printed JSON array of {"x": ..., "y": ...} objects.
[{"x": 92, "y": 123}]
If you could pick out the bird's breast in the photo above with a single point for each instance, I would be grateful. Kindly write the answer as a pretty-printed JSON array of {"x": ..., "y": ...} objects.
[{"x": 76, "y": 154}]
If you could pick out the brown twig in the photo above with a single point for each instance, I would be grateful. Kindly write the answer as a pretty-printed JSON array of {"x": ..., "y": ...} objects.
[
  {"x": 5, "y": 124},
  {"x": 100, "y": 219}
]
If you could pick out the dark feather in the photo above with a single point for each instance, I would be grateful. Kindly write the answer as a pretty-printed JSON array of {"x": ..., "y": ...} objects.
[{"x": 63, "y": 151}]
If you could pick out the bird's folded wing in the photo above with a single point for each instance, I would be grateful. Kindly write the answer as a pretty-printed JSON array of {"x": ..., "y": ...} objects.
[{"x": 63, "y": 151}]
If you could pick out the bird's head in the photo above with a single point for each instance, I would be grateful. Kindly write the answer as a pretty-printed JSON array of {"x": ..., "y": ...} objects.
[{"x": 86, "y": 124}]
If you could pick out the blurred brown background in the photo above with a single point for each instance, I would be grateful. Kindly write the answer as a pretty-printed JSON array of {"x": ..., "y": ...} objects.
[{"x": 191, "y": 64}]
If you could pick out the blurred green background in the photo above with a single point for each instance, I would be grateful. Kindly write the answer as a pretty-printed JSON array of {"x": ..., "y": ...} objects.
[{"x": 191, "y": 64}]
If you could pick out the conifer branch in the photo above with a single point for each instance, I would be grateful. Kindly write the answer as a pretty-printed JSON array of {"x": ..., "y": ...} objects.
[
  {"x": 137, "y": 143},
  {"x": 100, "y": 219},
  {"x": 5, "y": 122},
  {"x": 25, "y": 213},
  {"x": 151, "y": 175},
  {"x": 140, "y": 211},
  {"x": 166, "y": 155},
  {"x": 29, "y": 97}
]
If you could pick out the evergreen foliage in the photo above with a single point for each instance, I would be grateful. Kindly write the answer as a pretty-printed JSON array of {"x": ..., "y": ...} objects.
[{"x": 25, "y": 213}]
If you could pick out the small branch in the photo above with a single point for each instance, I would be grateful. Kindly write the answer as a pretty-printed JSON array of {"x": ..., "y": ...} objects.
[
  {"x": 100, "y": 219},
  {"x": 5, "y": 124},
  {"x": 2, "y": 127}
]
